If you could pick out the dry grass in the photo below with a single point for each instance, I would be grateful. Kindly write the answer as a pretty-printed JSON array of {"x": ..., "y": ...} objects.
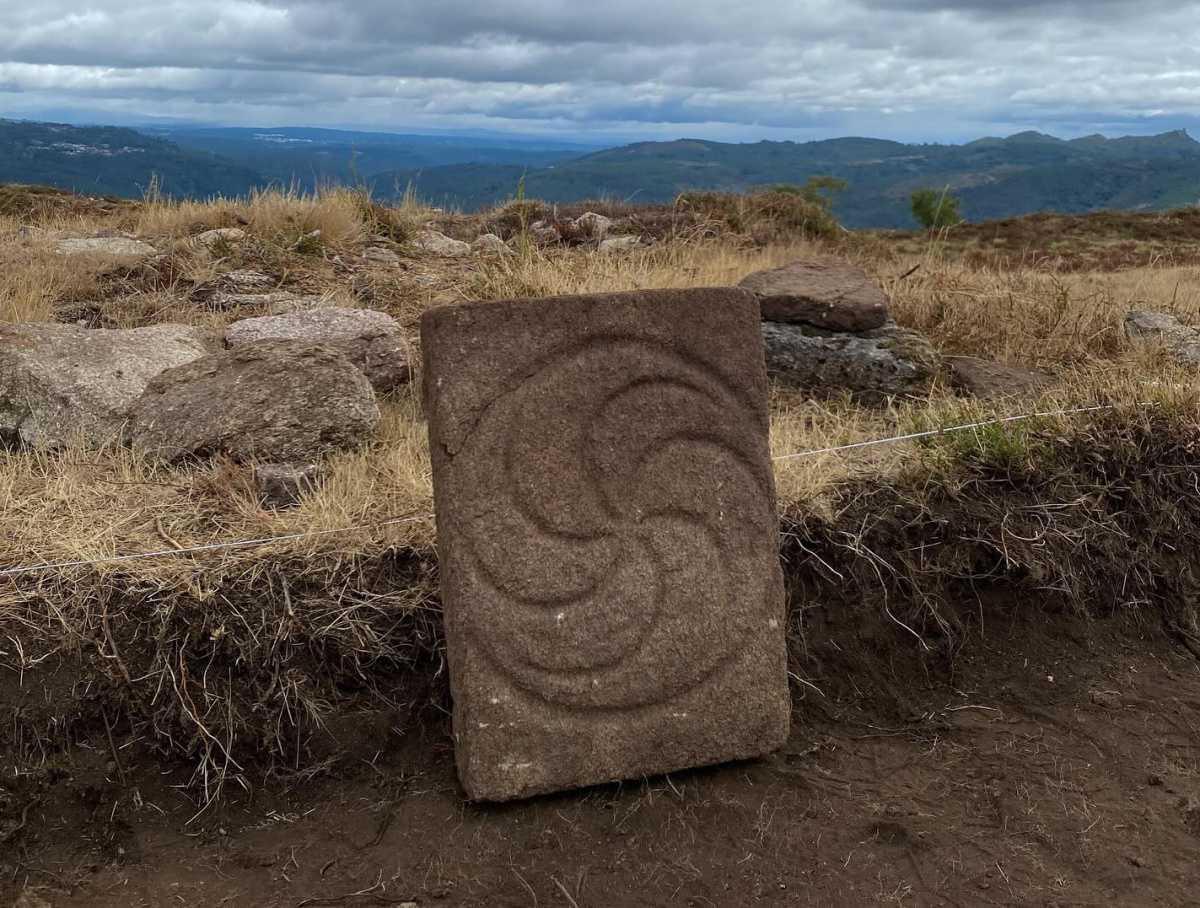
[
  {"x": 1037, "y": 318},
  {"x": 344, "y": 218},
  {"x": 281, "y": 217},
  {"x": 51, "y": 502},
  {"x": 34, "y": 278},
  {"x": 701, "y": 264},
  {"x": 1070, "y": 324},
  {"x": 1056, "y": 321}
]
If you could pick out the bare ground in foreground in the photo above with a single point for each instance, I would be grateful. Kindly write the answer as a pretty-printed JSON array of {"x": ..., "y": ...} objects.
[{"x": 1057, "y": 764}]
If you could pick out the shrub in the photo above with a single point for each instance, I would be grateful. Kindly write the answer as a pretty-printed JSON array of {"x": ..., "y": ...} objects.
[
  {"x": 767, "y": 214},
  {"x": 935, "y": 209},
  {"x": 819, "y": 190}
]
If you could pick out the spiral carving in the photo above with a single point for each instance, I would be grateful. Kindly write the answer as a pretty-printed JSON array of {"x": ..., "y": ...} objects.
[{"x": 621, "y": 528}]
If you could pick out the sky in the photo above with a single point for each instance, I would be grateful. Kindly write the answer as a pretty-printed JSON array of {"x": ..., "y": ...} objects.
[{"x": 612, "y": 70}]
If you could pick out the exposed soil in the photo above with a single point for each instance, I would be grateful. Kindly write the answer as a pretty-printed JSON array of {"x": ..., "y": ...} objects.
[{"x": 1055, "y": 762}]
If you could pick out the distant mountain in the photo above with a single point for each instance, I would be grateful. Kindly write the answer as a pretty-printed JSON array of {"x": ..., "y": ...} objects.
[
  {"x": 106, "y": 160},
  {"x": 313, "y": 157},
  {"x": 994, "y": 177},
  {"x": 201, "y": 162}
]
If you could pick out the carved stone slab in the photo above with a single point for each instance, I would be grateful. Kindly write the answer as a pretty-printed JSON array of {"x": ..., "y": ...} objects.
[{"x": 607, "y": 536}]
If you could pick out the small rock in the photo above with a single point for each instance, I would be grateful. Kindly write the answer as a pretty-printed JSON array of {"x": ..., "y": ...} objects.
[
  {"x": 308, "y": 243},
  {"x": 246, "y": 281},
  {"x": 282, "y": 485},
  {"x": 277, "y": 303},
  {"x": 834, "y": 295},
  {"x": 1108, "y": 699},
  {"x": 620, "y": 244},
  {"x": 439, "y": 244},
  {"x": 490, "y": 244},
  {"x": 372, "y": 340},
  {"x": 286, "y": 304},
  {"x": 1146, "y": 325},
  {"x": 985, "y": 378},
  {"x": 875, "y": 364},
  {"x": 543, "y": 234},
  {"x": 60, "y": 383},
  {"x": 1180, "y": 340},
  {"x": 112, "y": 246},
  {"x": 381, "y": 255},
  {"x": 278, "y": 401},
  {"x": 210, "y": 238},
  {"x": 593, "y": 225}
]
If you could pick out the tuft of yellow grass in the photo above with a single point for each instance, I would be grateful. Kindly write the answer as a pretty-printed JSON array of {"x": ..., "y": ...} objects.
[
  {"x": 285, "y": 217},
  {"x": 33, "y": 277},
  {"x": 281, "y": 216},
  {"x": 1029, "y": 316}
]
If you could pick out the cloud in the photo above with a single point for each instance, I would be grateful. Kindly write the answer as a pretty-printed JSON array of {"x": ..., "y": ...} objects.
[{"x": 906, "y": 68}]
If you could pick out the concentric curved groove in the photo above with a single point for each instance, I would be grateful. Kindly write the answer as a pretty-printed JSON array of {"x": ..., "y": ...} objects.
[
  {"x": 604, "y": 672},
  {"x": 613, "y": 636}
]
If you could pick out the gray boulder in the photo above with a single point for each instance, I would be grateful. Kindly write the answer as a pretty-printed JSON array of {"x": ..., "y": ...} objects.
[
  {"x": 593, "y": 225},
  {"x": 490, "y": 244},
  {"x": 246, "y": 281},
  {"x": 372, "y": 340},
  {"x": 1178, "y": 339},
  {"x": 277, "y": 401},
  {"x": 834, "y": 295},
  {"x": 875, "y": 364},
  {"x": 436, "y": 243},
  {"x": 109, "y": 246},
  {"x": 63, "y": 383}
]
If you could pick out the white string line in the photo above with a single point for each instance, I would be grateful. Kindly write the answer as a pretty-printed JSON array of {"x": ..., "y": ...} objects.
[
  {"x": 266, "y": 540},
  {"x": 212, "y": 547},
  {"x": 946, "y": 431}
]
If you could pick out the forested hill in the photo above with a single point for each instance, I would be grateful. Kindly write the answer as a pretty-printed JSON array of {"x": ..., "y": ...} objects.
[
  {"x": 107, "y": 160},
  {"x": 203, "y": 162},
  {"x": 994, "y": 177}
]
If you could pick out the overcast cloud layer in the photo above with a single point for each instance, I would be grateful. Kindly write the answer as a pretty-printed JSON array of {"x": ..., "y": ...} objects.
[{"x": 613, "y": 69}]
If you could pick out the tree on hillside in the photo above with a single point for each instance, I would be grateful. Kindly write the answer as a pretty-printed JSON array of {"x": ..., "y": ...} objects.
[
  {"x": 819, "y": 190},
  {"x": 935, "y": 209}
]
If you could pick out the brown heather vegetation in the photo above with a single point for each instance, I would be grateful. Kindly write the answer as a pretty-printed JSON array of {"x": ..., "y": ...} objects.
[{"x": 234, "y": 661}]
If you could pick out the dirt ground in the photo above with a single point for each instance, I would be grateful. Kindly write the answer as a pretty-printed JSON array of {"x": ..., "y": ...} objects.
[{"x": 1056, "y": 763}]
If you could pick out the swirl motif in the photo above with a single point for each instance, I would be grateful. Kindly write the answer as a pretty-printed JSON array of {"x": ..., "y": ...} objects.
[{"x": 625, "y": 545}]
